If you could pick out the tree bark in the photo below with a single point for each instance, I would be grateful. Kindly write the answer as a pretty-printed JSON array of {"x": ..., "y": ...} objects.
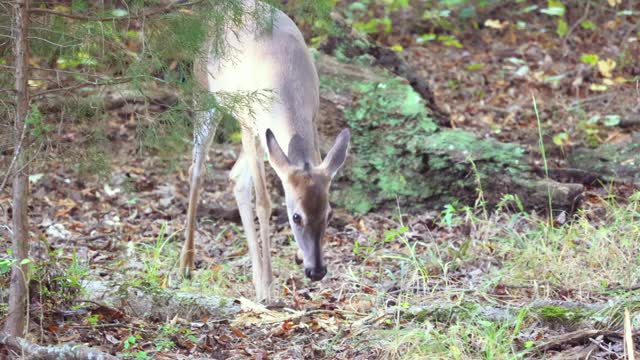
[
  {"x": 15, "y": 323},
  {"x": 66, "y": 351}
]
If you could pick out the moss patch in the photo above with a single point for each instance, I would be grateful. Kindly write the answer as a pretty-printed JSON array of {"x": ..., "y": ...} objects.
[{"x": 399, "y": 152}]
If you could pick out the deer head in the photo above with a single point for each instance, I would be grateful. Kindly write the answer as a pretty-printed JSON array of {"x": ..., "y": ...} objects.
[{"x": 306, "y": 191}]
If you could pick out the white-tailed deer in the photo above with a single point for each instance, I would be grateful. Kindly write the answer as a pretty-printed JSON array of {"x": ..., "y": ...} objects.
[{"x": 276, "y": 60}]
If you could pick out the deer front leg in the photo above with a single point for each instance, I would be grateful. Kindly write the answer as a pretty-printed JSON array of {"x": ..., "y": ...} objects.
[
  {"x": 263, "y": 208},
  {"x": 204, "y": 129},
  {"x": 248, "y": 171}
]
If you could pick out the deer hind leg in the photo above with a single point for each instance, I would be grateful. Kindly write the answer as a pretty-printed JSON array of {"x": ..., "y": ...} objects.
[
  {"x": 248, "y": 171},
  {"x": 204, "y": 129}
]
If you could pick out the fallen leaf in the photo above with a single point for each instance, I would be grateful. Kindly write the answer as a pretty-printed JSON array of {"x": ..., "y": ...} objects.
[
  {"x": 606, "y": 67},
  {"x": 496, "y": 24},
  {"x": 598, "y": 87},
  {"x": 237, "y": 332},
  {"x": 253, "y": 313},
  {"x": 620, "y": 80},
  {"x": 112, "y": 339},
  {"x": 58, "y": 231}
]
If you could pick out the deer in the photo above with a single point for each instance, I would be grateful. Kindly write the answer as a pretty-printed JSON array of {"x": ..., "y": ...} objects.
[{"x": 280, "y": 61}]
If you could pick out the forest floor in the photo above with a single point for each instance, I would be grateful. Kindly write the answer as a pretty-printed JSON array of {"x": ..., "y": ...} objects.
[{"x": 453, "y": 283}]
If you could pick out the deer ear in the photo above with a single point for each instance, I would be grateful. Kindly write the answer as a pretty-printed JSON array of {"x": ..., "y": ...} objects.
[
  {"x": 337, "y": 155},
  {"x": 297, "y": 154},
  {"x": 277, "y": 157}
]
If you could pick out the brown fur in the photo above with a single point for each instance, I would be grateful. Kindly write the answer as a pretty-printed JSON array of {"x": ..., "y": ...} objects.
[{"x": 313, "y": 188}]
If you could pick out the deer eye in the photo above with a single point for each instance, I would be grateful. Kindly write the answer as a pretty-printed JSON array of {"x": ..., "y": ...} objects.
[{"x": 297, "y": 219}]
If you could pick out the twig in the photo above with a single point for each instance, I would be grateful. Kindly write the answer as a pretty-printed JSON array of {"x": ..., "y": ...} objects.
[
  {"x": 594, "y": 98},
  {"x": 54, "y": 70},
  {"x": 571, "y": 337},
  {"x": 16, "y": 153},
  {"x": 628, "y": 339},
  {"x": 497, "y": 109},
  {"x": 90, "y": 238},
  {"x": 153, "y": 12},
  {"x": 88, "y": 83},
  {"x": 574, "y": 26},
  {"x": 101, "y": 326}
]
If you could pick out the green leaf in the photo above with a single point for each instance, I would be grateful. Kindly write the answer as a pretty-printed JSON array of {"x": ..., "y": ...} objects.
[
  {"x": 426, "y": 37},
  {"x": 25, "y": 261},
  {"x": 468, "y": 12},
  {"x": 79, "y": 5},
  {"x": 528, "y": 344},
  {"x": 374, "y": 26},
  {"x": 448, "y": 40},
  {"x": 451, "y": 3},
  {"x": 35, "y": 178},
  {"x": 561, "y": 139},
  {"x": 357, "y": 6},
  {"x": 5, "y": 265},
  {"x": 119, "y": 12},
  {"x": 611, "y": 120},
  {"x": 555, "y": 8},
  {"x": 563, "y": 28},
  {"x": 588, "y": 25},
  {"x": 397, "y": 47},
  {"x": 485, "y": 323},
  {"x": 475, "y": 67},
  {"x": 627, "y": 13},
  {"x": 593, "y": 120},
  {"x": 555, "y": 11},
  {"x": 590, "y": 59}
]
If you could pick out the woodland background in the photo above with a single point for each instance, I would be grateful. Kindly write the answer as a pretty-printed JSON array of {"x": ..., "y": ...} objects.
[{"x": 489, "y": 208}]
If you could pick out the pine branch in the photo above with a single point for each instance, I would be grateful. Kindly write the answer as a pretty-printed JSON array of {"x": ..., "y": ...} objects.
[
  {"x": 115, "y": 81},
  {"x": 158, "y": 11}
]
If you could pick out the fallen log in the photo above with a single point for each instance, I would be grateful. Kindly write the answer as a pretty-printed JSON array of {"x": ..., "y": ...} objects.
[
  {"x": 25, "y": 349},
  {"x": 400, "y": 155}
]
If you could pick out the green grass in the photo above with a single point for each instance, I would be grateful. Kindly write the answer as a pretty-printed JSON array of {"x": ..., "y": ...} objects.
[
  {"x": 434, "y": 294},
  {"x": 578, "y": 275},
  {"x": 591, "y": 253}
]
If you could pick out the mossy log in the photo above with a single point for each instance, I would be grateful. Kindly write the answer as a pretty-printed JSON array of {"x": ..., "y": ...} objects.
[
  {"x": 347, "y": 43},
  {"x": 618, "y": 163},
  {"x": 29, "y": 350},
  {"x": 399, "y": 153}
]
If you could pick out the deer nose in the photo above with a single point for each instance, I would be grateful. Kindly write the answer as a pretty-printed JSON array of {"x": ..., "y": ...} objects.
[{"x": 316, "y": 274}]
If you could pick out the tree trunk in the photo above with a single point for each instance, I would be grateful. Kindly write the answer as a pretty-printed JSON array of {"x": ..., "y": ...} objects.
[{"x": 15, "y": 323}]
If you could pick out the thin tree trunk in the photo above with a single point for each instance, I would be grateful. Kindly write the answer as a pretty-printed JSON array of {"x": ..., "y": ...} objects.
[{"x": 15, "y": 323}]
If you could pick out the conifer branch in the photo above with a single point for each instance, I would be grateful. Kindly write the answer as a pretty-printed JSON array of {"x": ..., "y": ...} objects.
[{"x": 158, "y": 11}]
